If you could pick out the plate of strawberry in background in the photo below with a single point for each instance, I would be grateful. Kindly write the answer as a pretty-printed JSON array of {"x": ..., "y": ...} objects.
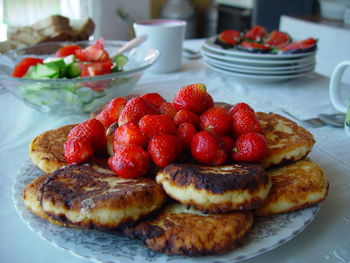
[
  {"x": 148, "y": 130},
  {"x": 260, "y": 55}
]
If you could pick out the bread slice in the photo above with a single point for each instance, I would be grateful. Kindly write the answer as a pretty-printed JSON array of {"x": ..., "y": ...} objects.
[
  {"x": 25, "y": 35},
  {"x": 83, "y": 28}
]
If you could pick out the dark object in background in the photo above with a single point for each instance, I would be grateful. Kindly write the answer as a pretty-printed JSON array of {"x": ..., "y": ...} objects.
[{"x": 260, "y": 12}]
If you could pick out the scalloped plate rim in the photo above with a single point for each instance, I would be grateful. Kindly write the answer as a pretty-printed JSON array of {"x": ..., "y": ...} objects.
[{"x": 19, "y": 206}]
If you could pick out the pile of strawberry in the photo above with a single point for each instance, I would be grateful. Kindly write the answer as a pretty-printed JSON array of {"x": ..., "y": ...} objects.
[{"x": 151, "y": 129}]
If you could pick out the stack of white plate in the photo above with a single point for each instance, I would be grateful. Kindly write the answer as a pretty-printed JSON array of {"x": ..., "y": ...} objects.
[{"x": 254, "y": 66}]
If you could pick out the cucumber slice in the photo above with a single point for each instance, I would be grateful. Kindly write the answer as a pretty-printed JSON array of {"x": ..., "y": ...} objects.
[
  {"x": 42, "y": 71},
  {"x": 119, "y": 62},
  {"x": 73, "y": 70},
  {"x": 69, "y": 60}
]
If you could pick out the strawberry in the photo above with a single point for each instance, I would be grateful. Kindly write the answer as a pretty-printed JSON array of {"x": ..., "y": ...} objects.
[
  {"x": 207, "y": 149},
  {"x": 153, "y": 98},
  {"x": 77, "y": 150},
  {"x": 250, "y": 147},
  {"x": 186, "y": 116},
  {"x": 93, "y": 130},
  {"x": 228, "y": 143},
  {"x": 185, "y": 132},
  {"x": 135, "y": 109},
  {"x": 239, "y": 106},
  {"x": 167, "y": 109},
  {"x": 194, "y": 98},
  {"x": 152, "y": 125},
  {"x": 216, "y": 120},
  {"x": 111, "y": 112},
  {"x": 129, "y": 161},
  {"x": 128, "y": 133},
  {"x": 164, "y": 149},
  {"x": 245, "y": 121}
]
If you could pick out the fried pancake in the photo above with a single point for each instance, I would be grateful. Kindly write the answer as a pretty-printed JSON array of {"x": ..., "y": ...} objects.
[
  {"x": 186, "y": 231},
  {"x": 46, "y": 150},
  {"x": 287, "y": 141},
  {"x": 89, "y": 196},
  {"x": 216, "y": 189},
  {"x": 294, "y": 187}
]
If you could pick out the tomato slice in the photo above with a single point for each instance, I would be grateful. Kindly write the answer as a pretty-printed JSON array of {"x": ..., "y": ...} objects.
[
  {"x": 90, "y": 69},
  {"x": 67, "y": 50},
  {"x": 254, "y": 47},
  {"x": 308, "y": 44},
  {"x": 95, "y": 53},
  {"x": 256, "y": 33},
  {"x": 277, "y": 38},
  {"x": 231, "y": 37},
  {"x": 22, "y": 67}
]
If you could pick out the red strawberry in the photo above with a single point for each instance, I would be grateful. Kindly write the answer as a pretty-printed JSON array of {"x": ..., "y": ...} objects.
[
  {"x": 135, "y": 109},
  {"x": 128, "y": 133},
  {"x": 186, "y": 116},
  {"x": 129, "y": 161},
  {"x": 239, "y": 106},
  {"x": 164, "y": 149},
  {"x": 207, "y": 149},
  {"x": 245, "y": 121},
  {"x": 185, "y": 133},
  {"x": 194, "y": 98},
  {"x": 153, "y": 98},
  {"x": 216, "y": 120},
  {"x": 111, "y": 112},
  {"x": 77, "y": 150},
  {"x": 93, "y": 130},
  {"x": 228, "y": 143},
  {"x": 152, "y": 125},
  {"x": 249, "y": 147},
  {"x": 167, "y": 109}
]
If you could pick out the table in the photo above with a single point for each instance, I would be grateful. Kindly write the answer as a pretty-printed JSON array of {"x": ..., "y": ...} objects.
[{"x": 326, "y": 239}]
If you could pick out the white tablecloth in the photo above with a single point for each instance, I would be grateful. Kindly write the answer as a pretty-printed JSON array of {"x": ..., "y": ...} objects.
[{"x": 326, "y": 239}]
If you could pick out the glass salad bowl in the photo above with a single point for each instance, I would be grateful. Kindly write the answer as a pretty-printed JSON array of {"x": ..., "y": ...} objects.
[{"x": 63, "y": 96}]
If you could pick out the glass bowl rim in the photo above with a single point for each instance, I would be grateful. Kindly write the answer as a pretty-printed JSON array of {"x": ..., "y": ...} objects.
[{"x": 85, "y": 79}]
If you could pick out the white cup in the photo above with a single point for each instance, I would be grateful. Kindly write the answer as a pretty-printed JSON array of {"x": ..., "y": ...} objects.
[
  {"x": 340, "y": 103},
  {"x": 167, "y": 36}
]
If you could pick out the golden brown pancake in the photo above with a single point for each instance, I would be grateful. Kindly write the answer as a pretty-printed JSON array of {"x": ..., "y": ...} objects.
[
  {"x": 186, "y": 231},
  {"x": 287, "y": 141},
  {"x": 89, "y": 196},
  {"x": 294, "y": 187},
  {"x": 216, "y": 189},
  {"x": 46, "y": 150}
]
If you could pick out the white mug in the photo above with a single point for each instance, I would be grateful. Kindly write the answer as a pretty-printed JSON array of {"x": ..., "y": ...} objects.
[
  {"x": 167, "y": 36},
  {"x": 337, "y": 100}
]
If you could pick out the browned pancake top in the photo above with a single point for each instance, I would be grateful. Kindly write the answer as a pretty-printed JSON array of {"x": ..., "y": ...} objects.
[
  {"x": 177, "y": 230},
  {"x": 290, "y": 136},
  {"x": 52, "y": 142},
  {"x": 86, "y": 187},
  {"x": 218, "y": 179}
]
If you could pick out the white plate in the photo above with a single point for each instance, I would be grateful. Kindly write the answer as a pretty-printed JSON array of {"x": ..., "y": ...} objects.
[
  {"x": 110, "y": 246},
  {"x": 253, "y": 61},
  {"x": 257, "y": 77},
  {"x": 262, "y": 72},
  {"x": 263, "y": 68},
  {"x": 209, "y": 44}
]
